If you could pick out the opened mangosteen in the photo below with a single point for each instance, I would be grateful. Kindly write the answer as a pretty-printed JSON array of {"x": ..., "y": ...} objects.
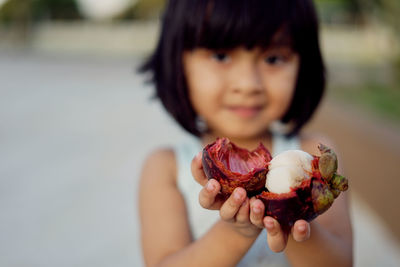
[
  {"x": 293, "y": 185},
  {"x": 301, "y": 186},
  {"x": 235, "y": 167}
]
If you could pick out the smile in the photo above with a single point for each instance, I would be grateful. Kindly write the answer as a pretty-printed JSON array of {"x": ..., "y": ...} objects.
[{"x": 245, "y": 112}]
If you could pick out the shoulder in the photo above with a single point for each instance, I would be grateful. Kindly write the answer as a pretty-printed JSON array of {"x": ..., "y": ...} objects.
[{"x": 159, "y": 167}]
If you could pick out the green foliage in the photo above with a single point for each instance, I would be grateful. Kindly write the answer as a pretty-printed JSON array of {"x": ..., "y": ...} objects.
[
  {"x": 15, "y": 11},
  {"x": 352, "y": 6},
  {"x": 55, "y": 9},
  {"x": 143, "y": 9},
  {"x": 20, "y": 11},
  {"x": 381, "y": 98},
  {"x": 386, "y": 11},
  {"x": 339, "y": 11},
  {"x": 389, "y": 11}
]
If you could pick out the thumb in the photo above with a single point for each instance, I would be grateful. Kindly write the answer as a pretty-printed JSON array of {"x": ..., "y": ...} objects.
[{"x": 197, "y": 169}]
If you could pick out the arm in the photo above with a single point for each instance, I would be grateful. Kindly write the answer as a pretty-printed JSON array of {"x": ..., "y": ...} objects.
[{"x": 166, "y": 237}]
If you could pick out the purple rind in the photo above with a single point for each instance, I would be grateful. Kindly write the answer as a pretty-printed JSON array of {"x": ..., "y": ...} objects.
[
  {"x": 253, "y": 182},
  {"x": 287, "y": 208}
]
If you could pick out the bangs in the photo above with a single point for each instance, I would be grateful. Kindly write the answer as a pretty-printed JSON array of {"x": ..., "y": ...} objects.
[{"x": 226, "y": 24}]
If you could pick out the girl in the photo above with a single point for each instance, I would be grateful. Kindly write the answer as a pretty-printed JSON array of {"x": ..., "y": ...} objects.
[{"x": 235, "y": 69}]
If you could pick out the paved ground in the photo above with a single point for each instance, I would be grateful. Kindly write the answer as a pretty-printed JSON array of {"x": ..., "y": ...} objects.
[{"x": 73, "y": 135}]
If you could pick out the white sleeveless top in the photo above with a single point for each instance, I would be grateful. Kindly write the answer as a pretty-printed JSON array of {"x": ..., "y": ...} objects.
[{"x": 201, "y": 219}]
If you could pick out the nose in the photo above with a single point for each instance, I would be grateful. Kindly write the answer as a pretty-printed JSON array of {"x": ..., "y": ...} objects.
[{"x": 247, "y": 79}]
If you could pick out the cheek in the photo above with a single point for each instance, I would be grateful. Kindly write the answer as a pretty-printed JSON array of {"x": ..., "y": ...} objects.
[
  {"x": 286, "y": 89},
  {"x": 204, "y": 87},
  {"x": 280, "y": 91}
]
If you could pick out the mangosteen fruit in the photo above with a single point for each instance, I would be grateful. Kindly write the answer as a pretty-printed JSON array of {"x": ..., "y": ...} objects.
[
  {"x": 235, "y": 167},
  {"x": 301, "y": 186},
  {"x": 293, "y": 185}
]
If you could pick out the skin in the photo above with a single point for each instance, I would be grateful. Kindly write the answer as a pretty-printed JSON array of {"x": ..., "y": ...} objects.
[
  {"x": 248, "y": 88},
  {"x": 238, "y": 93}
]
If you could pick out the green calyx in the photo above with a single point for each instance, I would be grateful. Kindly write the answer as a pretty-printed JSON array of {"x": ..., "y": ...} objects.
[
  {"x": 322, "y": 196},
  {"x": 335, "y": 192},
  {"x": 339, "y": 182},
  {"x": 327, "y": 163}
]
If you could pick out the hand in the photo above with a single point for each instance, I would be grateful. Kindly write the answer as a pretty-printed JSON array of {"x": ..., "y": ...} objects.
[
  {"x": 278, "y": 238},
  {"x": 244, "y": 215},
  {"x": 236, "y": 209}
]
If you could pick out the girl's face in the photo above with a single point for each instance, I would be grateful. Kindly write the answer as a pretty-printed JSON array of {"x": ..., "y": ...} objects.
[{"x": 239, "y": 92}]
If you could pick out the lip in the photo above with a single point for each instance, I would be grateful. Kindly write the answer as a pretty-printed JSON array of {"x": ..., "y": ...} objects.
[{"x": 245, "y": 112}]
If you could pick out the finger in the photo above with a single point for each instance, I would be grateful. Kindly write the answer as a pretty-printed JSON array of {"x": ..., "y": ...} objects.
[
  {"x": 208, "y": 195},
  {"x": 242, "y": 215},
  {"x": 197, "y": 169},
  {"x": 232, "y": 204},
  {"x": 301, "y": 230},
  {"x": 277, "y": 239},
  {"x": 257, "y": 212}
]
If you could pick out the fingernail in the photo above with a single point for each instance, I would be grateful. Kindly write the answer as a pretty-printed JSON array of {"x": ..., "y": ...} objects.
[
  {"x": 301, "y": 228},
  {"x": 209, "y": 186},
  {"x": 256, "y": 209},
  {"x": 269, "y": 224},
  {"x": 237, "y": 196}
]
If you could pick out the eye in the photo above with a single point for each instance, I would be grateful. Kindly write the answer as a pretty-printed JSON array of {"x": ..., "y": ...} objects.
[
  {"x": 274, "y": 59},
  {"x": 220, "y": 57}
]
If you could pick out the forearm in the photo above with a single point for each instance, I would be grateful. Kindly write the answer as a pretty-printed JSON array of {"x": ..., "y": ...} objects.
[
  {"x": 322, "y": 249},
  {"x": 220, "y": 246}
]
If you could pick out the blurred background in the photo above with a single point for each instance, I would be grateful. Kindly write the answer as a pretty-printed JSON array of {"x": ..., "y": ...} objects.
[{"x": 76, "y": 122}]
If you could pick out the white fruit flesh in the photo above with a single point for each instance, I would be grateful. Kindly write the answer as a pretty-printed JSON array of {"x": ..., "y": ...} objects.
[{"x": 288, "y": 170}]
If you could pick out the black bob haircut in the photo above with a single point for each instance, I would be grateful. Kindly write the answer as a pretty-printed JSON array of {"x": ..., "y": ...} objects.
[{"x": 225, "y": 24}]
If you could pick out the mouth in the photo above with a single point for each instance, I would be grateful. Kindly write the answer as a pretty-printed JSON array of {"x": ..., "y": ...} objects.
[{"x": 245, "y": 112}]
